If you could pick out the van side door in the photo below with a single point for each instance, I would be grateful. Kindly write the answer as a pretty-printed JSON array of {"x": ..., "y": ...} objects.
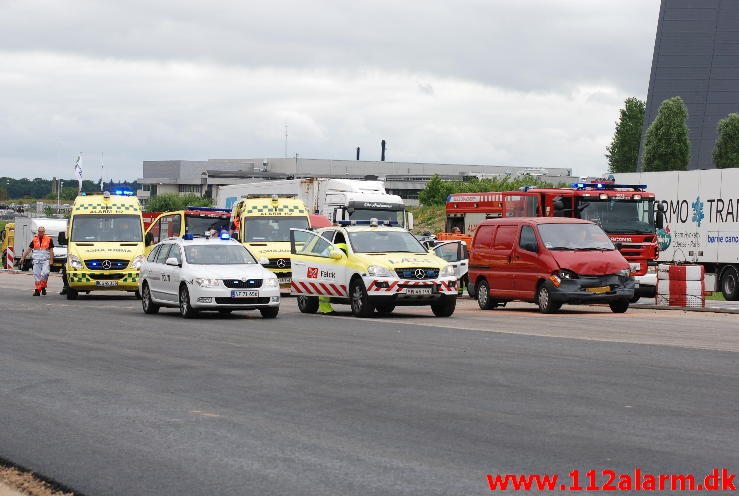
[
  {"x": 527, "y": 263},
  {"x": 503, "y": 274}
]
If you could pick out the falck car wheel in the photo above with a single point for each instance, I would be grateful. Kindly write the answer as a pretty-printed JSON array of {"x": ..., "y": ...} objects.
[{"x": 361, "y": 306}]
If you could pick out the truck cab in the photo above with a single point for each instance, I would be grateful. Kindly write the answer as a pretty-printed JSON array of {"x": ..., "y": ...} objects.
[
  {"x": 105, "y": 244},
  {"x": 263, "y": 223}
]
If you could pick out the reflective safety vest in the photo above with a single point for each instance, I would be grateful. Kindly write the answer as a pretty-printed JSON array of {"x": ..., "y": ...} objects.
[{"x": 41, "y": 244}]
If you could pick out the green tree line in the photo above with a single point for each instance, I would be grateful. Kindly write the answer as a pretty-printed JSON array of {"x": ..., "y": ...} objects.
[
  {"x": 38, "y": 188},
  {"x": 437, "y": 190}
]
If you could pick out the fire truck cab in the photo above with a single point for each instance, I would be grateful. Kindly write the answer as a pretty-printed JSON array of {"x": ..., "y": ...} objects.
[{"x": 626, "y": 212}]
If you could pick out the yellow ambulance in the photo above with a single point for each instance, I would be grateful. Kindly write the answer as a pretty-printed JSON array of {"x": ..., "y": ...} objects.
[
  {"x": 263, "y": 223},
  {"x": 105, "y": 244}
]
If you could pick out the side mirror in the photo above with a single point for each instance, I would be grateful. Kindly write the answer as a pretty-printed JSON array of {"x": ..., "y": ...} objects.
[
  {"x": 263, "y": 261},
  {"x": 659, "y": 222},
  {"x": 618, "y": 245},
  {"x": 409, "y": 217},
  {"x": 661, "y": 207},
  {"x": 62, "y": 238},
  {"x": 336, "y": 254},
  {"x": 172, "y": 261},
  {"x": 558, "y": 204},
  {"x": 148, "y": 239}
]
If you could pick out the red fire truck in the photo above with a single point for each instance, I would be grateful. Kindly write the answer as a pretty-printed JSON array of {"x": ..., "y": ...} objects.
[{"x": 625, "y": 211}]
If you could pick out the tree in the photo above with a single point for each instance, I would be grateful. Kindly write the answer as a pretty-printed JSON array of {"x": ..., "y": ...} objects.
[
  {"x": 667, "y": 146},
  {"x": 173, "y": 201},
  {"x": 726, "y": 152},
  {"x": 623, "y": 151},
  {"x": 437, "y": 190}
]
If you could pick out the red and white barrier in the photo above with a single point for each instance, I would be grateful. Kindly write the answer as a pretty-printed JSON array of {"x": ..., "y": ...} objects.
[
  {"x": 681, "y": 285},
  {"x": 9, "y": 258}
]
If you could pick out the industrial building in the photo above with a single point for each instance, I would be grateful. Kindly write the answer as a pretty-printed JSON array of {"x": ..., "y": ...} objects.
[
  {"x": 406, "y": 179},
  {"x": 696, "y": 57}
]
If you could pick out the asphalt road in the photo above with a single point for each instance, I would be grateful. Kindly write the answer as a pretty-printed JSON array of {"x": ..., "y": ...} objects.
[{"x": 109, "y": 401}]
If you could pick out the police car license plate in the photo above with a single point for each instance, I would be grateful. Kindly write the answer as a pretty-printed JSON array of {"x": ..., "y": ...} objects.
[
  {"x": 283, "y": 280},
  {"x": 418, "y": 291},
  {"x": 600, "y": 289},
  {"x": 106, "y": 283},
  {"x": 244, "y": 294}
]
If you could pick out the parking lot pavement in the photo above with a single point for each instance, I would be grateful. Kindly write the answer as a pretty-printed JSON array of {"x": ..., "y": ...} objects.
[{"x": 107, "y": 400}]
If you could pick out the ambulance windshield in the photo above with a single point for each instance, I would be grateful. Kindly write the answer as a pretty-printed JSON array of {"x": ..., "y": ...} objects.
[
  {"x": 92, "y": 228},
  {"x": 267, "y": 229}
]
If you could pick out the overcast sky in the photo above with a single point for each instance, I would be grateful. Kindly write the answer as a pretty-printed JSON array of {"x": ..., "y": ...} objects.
[{"x": 516, "y": 82}]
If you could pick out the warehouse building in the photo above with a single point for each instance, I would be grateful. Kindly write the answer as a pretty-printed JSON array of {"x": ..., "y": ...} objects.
[{"x": 406, "y": 179}]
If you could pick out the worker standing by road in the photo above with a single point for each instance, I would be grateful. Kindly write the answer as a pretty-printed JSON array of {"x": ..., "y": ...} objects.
[
  {"x": 42, "y": 254},
  {"x": 324, "y": 302}
]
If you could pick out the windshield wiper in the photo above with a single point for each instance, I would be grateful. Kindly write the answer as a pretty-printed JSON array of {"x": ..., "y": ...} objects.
[
  {"x": 565, "y": 248},
  {"x": 592, "y": 248}
]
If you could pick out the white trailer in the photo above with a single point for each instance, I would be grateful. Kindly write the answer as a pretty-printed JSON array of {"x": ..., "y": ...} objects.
[
  {"x": 27, "y": 227},
  {"x": 701, "y": 222},
  {"x": 337, "y": 199}
]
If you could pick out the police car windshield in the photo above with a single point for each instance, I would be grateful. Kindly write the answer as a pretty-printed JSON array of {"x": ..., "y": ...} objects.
[
  {"x": 218, "y": 254},
  {"x": 385, "y": 242},
  {"x": 574, "y": 237},
  {"x": 199, "y": 225},
  {"x": 267, "y": 229},
  {"x": 94, "y": 228}
]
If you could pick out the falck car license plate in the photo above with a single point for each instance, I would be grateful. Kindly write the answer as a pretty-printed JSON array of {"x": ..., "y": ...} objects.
[
  {"x": 599, "y": 289},
  {"x": 283, "y": 280},
  {"x": 106, "y": 283},
  {"x": 244, "y": 294},
  {"x": 418, "y": 291}
]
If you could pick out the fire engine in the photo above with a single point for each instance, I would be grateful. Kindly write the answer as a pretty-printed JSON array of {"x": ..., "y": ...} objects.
[{"x": 626, "y": 212}]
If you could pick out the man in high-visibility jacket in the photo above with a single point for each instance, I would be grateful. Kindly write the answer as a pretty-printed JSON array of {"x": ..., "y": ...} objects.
[{"x": 42, "y": 254}]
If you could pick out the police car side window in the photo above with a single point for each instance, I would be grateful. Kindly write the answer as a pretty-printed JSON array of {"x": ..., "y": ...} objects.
[
  {"x": 164, "y": 253},
  {"x": 153, "y": 255},
  {"x": 176, "y": 253}
]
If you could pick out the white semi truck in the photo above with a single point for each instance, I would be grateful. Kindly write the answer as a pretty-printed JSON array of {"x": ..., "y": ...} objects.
[
  {"x": 337, "y": 199},
  {"x": 701, "y": 222},
  {"x": 27, "y": 227}
]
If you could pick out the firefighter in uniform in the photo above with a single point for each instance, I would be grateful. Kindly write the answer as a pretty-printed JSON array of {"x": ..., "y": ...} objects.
[
  {"x": 324, "y": 302},
  {"x": 42, "y": 255}
]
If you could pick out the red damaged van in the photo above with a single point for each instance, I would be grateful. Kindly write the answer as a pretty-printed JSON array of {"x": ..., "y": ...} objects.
[{"x": 548, "y": 261}]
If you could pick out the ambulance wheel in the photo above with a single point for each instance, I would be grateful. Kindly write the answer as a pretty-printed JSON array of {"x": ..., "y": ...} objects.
[
  {"x": 72, "y": 294},
  {"x": 385, "y": 308},
  {"x": 137, "y": 294},
  {"x": 445, "y": 308},
  {"x": 146, "y": 302},
  {"x": 361, "y": 306},
  {"x": 269, "y": 312},
  {"x": 619, "y": 306},
  {"x": 483, "y": 296},
  {"x": 544, "y": 299},
  {"x": 307, "y": 304},
  {"x": 186, "y": 309},
  {"x": 730, "y": 283}
]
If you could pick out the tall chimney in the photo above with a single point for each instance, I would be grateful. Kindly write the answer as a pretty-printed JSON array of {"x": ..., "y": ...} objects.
[
  {"x": 357, "y": 153},
  {"x": 382, "y": 157}
]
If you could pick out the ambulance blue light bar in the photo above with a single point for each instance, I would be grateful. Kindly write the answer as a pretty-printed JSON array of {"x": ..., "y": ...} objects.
[
  {"x": 609, "y": 186},
  {"x": 123, "y": 192}
]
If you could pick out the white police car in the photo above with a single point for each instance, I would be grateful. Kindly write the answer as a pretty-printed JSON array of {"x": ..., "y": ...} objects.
[{"x": 198, "y": 274}]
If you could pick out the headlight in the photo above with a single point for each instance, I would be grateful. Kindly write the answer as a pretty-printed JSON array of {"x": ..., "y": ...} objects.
[
  {"x": 137, "y": 261},
  {"x": 207, "y": 283},
  {"x": 652, "y": 269},
  {"x": 447, "y": 271},
  {"x": 271, "y": 282},
  {"x": 379, "y": 271},
  {"x": 75, "y": 262},
  {"x": 624, "y": 272},
  {"x": 566, "y": 274}
]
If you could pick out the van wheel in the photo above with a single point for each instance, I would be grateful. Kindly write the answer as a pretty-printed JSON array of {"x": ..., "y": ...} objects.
[
  {"x": 72, "y": 294},
  {"x": 635, "y": 298},
  {"x": 544, "y": 299},
  {"x": 186, "y": 309},
  {"x": 269, "y": 312},
  {"x": 619, "y": 306},
  {"x": 483, "y": 296},
  {"x": 307, "y": 304},
  {"x": 730, "y": 283},
  {"x": 445, "y": 308},
  {"x": 385, "y": 308},
  {"x": 361, "y": 306},
  {"x": 146, "y": 302}
]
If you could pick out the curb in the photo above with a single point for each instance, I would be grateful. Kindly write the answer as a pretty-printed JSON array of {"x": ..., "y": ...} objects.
[{"x": 687, "y": 309}]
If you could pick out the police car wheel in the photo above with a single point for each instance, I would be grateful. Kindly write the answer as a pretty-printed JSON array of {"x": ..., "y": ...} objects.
[
  {"x": 269, "y": 312},
  {"x": 385, "y": 308},
  {"x": 225, "y": 311},
  {"x": 308, "y": 304},
  {"x": 186, "y": 310},
  {"x": 146, "y": 302},
  {"x": 361, "y": 306},
  {"x": 72, "y": 294},
  {"x": 445, "y": 308}
]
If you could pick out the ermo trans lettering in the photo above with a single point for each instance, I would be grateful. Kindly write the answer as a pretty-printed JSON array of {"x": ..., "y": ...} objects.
[{"x": 711, "y": 210}]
